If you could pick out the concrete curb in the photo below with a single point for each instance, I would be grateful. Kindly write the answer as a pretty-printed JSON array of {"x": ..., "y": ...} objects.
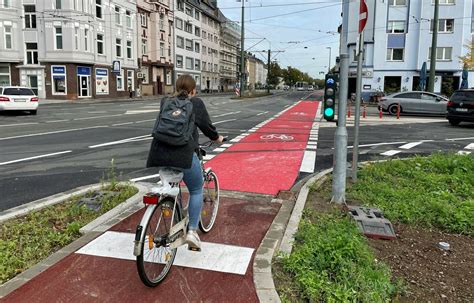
[
  {"x": 90, "y": 231},
  {"x": 279, "y": 237}
]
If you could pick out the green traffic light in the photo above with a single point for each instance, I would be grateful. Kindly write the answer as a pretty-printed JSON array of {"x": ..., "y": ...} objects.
[{"x": 329, "y": 112}]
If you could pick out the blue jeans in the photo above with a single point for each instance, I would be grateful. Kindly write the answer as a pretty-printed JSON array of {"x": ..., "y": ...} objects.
[{"x": 194, "y": 181}]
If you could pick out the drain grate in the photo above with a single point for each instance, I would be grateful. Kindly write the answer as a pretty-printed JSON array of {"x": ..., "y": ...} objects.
[{"x": 372, "y": 223}]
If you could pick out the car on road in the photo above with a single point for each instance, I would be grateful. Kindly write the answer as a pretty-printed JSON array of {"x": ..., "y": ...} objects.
[
  {"x": 461, "y": 107},
  {"x": 310, "y": 88},
  {"x": 18, "y": 98},
  {"x": 416, "y": 102},
  {"x": 286, "y": 87}
]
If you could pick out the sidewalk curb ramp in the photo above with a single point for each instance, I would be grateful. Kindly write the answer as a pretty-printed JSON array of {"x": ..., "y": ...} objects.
[
  {"x": 89, "y": 231},
  {"x": 280, "y": 238}
]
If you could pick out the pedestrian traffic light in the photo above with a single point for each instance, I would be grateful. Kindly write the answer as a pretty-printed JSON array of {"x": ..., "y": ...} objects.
[{"x": 330, "y": 88}]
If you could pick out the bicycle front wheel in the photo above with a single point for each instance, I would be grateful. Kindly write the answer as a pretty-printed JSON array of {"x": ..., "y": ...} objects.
[
  {"x": 156, "y": 256},
  {"x": 210, "y": 203}
]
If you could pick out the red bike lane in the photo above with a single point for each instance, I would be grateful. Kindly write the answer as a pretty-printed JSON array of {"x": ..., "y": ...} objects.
[{"x": 266, "y": 161}]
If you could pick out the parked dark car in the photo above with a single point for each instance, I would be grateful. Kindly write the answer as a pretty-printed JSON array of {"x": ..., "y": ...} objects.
[{"x": 461, "y": 107}]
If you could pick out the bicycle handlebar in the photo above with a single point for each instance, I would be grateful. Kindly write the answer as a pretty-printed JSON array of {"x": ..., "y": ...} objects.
[{"x": 210, "y": 142}]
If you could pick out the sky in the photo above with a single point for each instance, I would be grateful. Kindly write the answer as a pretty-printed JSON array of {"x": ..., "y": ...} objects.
[{"x": 304, "y": 33}]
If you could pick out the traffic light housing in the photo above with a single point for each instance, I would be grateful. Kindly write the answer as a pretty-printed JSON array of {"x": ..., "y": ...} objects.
[{"x": 330, "y": 88}]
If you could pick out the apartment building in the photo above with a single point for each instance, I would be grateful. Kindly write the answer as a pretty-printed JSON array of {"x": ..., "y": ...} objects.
[
  {"x": 187, "y": 32},
  {"x": 210, "y": 33},
  {"x": 66, "y": 49},
  {"x": 155, "y": 25},
  {"x": 256, "y": 71},
  {"x": 229, "y": 53},
  {"x": 398, "y": 38}
]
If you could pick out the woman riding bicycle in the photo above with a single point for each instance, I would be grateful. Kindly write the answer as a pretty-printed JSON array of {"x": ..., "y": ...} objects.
[{"x": 185, "y": 157}]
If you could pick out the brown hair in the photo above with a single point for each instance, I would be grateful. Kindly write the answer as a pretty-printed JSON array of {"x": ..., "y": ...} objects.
[{"x": 185, "y": 85}]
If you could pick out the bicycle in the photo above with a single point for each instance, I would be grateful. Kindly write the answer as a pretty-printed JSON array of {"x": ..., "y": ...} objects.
[{"x": 163, "y": 227}]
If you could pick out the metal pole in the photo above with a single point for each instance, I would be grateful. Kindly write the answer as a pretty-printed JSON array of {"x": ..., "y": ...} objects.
[
  {"x": 434, "y": 43},
  {"x": 242, "y": 57},
  {"x": 268, "y": 72},
  {"x": 340, "y": 137},
  {"x": 329, "y": 63},
  {"x": 355, "y": 150}
]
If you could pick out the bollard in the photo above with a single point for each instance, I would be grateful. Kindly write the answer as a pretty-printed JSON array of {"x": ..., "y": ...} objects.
[
  {"x": 364, "y": 113},
  {"x": 380, "y": 112},
  {"x": 398, "y": 110},
  {"x": 349, "y": 112}
]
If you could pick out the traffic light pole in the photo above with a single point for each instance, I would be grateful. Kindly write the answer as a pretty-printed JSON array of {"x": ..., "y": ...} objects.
[
  {"x": 340, "y": 137},
  {"x": 242, "y": 50},
  {"x": 355, "y": 150}
]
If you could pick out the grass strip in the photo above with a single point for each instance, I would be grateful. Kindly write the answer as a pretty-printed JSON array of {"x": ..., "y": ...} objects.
[
  {"x": 26, "y": 240},
  {"x": 332, "y": 262},
  {"x": 434, "y": 191}
]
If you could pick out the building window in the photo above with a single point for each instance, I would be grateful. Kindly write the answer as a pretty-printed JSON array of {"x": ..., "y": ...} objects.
[
  {"x": 144, "y": 47},
  {"x": 130, "y": 82},
  {"x": 197, "y": 64},
  {"x": 204, "y": 49},
  {"x": 209, "y": 66},
  {"x": 30, "y": 16},
  {"x": 4, "y": 74},
  {"x": 143, "y": 20},
  {"x": 118, "y": 19},
  {"x": 189, "y": 11},
  {"x": 189, "y": 45},
  {"x": 76, "y": 38},
  {"x": 128, "y": 18},
  {"x": 129, "y": 49},
  {"x": 168, "y": 77},
  {"x": 189, "y": 63},
  {"x": 181, "y": 5},
  {"x": 444, "y": 1},
  {"x": 179, "y": 61},
  {"x": 216, "y": 68},
  {"x": 145, "y": 72},
  {"x": 179, "y": 23},
  {"x": 6, "y": 3},
  {"x": 396, "y": 27},
  {"x": 8, "y": 37},
  {"x": 86, "y": 39},
  {"x": 101, "y": 81},
  {"x": 100, "y": 44},
  {"x": 442, "y": 53},
  {"x": 395, "y": 54},
  {"x": 58, "y": 4},
  {"x": 197, "y": 15},
  {"x": 179, "y": 42},
  {"x": 162, "y": 49},
  {"x": 58, "y": 75},
  {"x": 204, "y": 64},
  {"x": 204, "y": 34},
  {"x": 31, "y": 53},
  {"x": 118, "y": 48},
  {"x": 397, "y": 2},
  {"x": 444, "y": 26},
  {"x": 188, "y": 27},
  {"x": 197, "y": 47},
  {"x": 98, "y": 9},
  {"x": 120, "y": 85},
  {"x": 197, "y": 31},
  {"x": 162, "y": 22},
  {"x": 58, "y": 38}
]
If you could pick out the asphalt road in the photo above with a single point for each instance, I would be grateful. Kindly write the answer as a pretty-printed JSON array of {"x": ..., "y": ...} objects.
[{"x": 70, "y": 145}]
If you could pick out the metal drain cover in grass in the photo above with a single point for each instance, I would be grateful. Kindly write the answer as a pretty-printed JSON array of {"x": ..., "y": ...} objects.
[
  {"x": 372, "y": 223},
  {"x": 94, "y": 202}
]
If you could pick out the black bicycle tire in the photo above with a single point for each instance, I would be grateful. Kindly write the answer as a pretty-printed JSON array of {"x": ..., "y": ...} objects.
[
  {"x": 140, "y": 259},
  {"x": 206, "y": 229}
]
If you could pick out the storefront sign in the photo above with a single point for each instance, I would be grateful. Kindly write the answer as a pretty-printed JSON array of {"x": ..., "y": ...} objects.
[
  {"x": 116, "y": 67},
  {"x": 58, "y": 75},
  {"x": 83, "y": 70},
  {"x": 101, "y": 81}
]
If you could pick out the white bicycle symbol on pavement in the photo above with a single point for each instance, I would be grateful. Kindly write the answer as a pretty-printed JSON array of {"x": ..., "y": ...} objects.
[{"x": 277, "y": 136}]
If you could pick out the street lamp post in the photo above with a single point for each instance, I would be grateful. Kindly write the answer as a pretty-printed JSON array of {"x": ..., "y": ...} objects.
[{"x": 329, "y": 62}]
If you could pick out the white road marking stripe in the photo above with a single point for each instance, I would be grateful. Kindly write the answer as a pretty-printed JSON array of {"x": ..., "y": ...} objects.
[
  {"x": 133, "y": 139},
  {"x": 378, "y": 144},
  {"x": 18, "y": 124},
  {"x": 208, "y": 157},
  {"x": 307, "y": 165},
  {"x": 391, "y": 152},
  {"x": 263, "y": 113},
  {"x": 145, "y": 121},
  {"x": 226, "y": 114},
  {"x": 36, "y": 157},
  {"x": 141, "y": 111},
  {"x": 223, "y": 121},
  {"x": 311, "y": 147},
  {"x": 213, "y": 256},
  {"x": 55, "y": 121},
  {"x": 126, "y": 123},
  {"x": 144, "y": 178},
  {"x": 53, "y": 132},
  {"x": 226, "y": 145},
  {"x": 218, "y": 150},
  {"x": 470, "y": 146},
  {"x": 460, "y": 139},
  {"x": 96, "y": 117},
  {"x": 410, "y": 145}
]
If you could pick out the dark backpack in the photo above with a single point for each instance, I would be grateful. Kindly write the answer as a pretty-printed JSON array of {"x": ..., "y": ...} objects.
[{"x": 175, "y": 123}]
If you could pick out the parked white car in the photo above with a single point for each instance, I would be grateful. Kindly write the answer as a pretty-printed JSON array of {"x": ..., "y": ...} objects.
[{"x": 18, "y": 98}]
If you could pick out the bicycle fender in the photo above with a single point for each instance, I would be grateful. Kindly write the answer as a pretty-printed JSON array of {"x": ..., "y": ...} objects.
[{"x": 141, "y": 230}]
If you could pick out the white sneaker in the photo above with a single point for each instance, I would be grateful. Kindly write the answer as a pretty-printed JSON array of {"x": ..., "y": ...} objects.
[{"x": 193, "y": 241}]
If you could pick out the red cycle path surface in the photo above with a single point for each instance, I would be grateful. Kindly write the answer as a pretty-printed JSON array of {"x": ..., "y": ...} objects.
[
  {"x": 82, "y": 278},
  {"x": 268, "y": 160}
]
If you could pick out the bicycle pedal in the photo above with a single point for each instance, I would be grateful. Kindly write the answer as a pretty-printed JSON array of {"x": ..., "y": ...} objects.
[{"x": 196, "y": 249}]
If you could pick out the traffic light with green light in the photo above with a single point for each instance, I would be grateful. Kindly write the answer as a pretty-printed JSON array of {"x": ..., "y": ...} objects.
[{"x": 330, "y": 89}]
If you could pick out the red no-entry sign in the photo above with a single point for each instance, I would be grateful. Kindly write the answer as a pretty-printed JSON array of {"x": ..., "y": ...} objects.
[{"x": 363, "y": 15}]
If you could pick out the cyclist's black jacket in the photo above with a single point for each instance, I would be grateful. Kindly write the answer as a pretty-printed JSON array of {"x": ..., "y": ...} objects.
[{"x": 164, "y": 155}]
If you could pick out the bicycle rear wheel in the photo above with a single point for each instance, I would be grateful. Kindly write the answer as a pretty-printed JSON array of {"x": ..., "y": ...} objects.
[
  {"x": 211, "y": 202},
  {"x": 156, "y": 256}
]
